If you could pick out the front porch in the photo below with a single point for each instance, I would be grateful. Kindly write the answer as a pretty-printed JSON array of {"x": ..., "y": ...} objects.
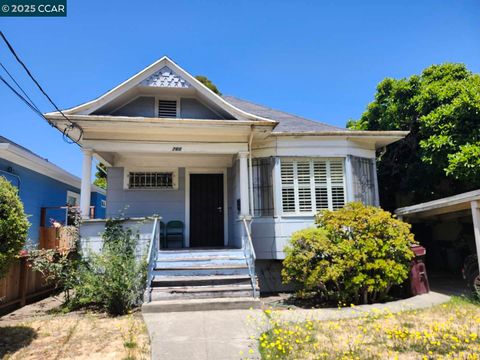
[{"x": 205, "y": 196}]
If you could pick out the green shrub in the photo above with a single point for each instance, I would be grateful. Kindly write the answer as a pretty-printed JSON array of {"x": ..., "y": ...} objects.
[
  {"x": 57, "y": 266},
  {"x": 114, "y": 279},
  {"x": 356, "y": 255},
  {"x": 13, "y": 225}
]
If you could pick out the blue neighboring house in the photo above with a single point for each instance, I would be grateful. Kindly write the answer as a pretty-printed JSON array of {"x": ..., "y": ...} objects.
[{"x": 44, "y": 185}]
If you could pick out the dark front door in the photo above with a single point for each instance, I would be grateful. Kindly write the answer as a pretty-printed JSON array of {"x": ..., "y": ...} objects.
[{"x": 206, "y": 210}]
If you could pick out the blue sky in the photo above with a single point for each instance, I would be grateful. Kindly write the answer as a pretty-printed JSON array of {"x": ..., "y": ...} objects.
[{"x": 318, "y": 59}]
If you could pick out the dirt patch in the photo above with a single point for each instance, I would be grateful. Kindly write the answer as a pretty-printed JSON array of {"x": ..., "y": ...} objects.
[{"x": 40, "y": 331}]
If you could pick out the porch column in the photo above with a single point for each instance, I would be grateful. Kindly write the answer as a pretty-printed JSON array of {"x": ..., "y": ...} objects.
[
  {"x": 475, "y": 205},
  {"x": 244, "y": 201},
  {"x": 85, "y": 191}
]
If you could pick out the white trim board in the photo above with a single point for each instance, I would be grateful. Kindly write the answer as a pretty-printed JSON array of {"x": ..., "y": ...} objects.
[
  {"x": 91, "y": 106},
  {"x": 189, "y": 171},
  {"x": 41, "y": 166}
]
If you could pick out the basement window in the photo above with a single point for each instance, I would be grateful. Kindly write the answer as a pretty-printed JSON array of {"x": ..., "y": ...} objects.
[
  {"x": 167, "y": 108},
  {"x": 151, "y": 180}
]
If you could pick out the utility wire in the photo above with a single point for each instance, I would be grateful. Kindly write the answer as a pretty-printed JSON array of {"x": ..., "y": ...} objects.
[
  {"x": 18, "y": 86},
  {"x": 72, "y": 124},
  {"x": 36, "y": 110},
  {"x": 32, "y": 107}
]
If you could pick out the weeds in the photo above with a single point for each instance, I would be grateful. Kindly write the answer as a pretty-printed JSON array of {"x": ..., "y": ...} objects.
[{"x": 449, "y": 331}]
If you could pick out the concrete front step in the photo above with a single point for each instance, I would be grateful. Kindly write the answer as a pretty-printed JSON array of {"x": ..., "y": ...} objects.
[
  {"x": 201, "y": 292},
  {"x": 159, "y": 281},
  {"x": 201, "y": 305},
  {"x": 202, "y": 271}
]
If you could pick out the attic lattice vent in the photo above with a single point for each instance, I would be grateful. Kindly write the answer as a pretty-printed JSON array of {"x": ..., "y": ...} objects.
[{"x": 167, "y": 108}]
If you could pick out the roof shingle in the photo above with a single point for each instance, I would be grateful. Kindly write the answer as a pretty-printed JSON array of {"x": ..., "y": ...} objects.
[{"x": 286, "y": 122}]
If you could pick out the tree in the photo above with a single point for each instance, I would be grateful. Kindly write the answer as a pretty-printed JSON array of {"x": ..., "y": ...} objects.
[
  {"x": 441, "y": 155},
  {"x": 101, "y": 176},
  {"x": 205, "y": 81},
  {"x": 13, "y": 225}
]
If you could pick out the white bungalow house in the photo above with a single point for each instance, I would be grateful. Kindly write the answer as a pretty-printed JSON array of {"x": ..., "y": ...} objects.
[{"x": 226, "y": 168}]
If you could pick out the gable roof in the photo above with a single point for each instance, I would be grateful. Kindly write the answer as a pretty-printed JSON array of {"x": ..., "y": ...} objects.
[
  {"x": 153, "y": 75},
  {"x": 22, "y": 156},
  {"x": 286, "y": 122}
]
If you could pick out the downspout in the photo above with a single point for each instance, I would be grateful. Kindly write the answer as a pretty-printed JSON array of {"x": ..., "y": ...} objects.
[{"x": 250, "y": 172}]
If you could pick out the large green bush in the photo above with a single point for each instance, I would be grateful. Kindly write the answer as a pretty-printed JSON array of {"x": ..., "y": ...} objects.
[
  {"x": 13, "y": 225},
  {"x": 114, "y": 279},
  {"x": 355, "y": 255}
]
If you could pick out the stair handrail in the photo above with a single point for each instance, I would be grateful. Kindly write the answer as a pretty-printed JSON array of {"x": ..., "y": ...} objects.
[
  {"x": 151, "y": 257},
  {"x": 251, "y": 257}
]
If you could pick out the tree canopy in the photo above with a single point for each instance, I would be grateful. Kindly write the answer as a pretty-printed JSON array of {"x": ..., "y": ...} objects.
[
  {"x": 208, "y": 83},
  {"x": 441, "y": 155},
  {"x": 101, "y": 176}
]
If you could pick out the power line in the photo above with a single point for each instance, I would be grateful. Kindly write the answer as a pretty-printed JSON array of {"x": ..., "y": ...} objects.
[
  {"x": 32, "y": 107},
  {"x": 72, "y": 124},
  {"x": 18, "y": 86},
  {"x": 36, "y": 110}
]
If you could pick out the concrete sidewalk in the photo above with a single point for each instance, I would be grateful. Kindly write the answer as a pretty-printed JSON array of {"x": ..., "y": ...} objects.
[
  {"x": 223, "y": 334},
  {"x": 199, "y": 335}
]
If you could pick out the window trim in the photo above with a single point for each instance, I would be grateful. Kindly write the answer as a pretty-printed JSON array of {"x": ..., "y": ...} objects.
[
  {"x": 313, "y": 185},
  {"x": 75, "y": 195},
  {"x": 127, "y": 171}
]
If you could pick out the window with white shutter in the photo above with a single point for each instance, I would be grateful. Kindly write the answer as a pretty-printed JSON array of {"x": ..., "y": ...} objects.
[
  {"x": 288, "y": 187},
  {"x": 310, "y": 185}
]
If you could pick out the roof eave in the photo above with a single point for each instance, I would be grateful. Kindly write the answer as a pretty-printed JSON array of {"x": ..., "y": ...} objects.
[
  {"x": 135, "y": 79},
  {"x": 36, "y": 163},
  {"x": 166, "y": 121},
  {"x": 350, "y": 133}
]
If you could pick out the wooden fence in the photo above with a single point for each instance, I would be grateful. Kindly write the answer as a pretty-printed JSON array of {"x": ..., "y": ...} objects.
[{"x": 22, "y": 286}]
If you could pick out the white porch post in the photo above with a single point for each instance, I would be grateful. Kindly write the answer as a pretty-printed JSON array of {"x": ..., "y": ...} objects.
[
  {"x": 244, "y": 201},
  {"x": 475, "y": 205},
  {"x": 85, "y": 191}
]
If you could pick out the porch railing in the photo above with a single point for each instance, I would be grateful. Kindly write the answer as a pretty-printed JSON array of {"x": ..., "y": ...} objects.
[
  {"x": 152, "y": 256},
  {"x": 250, "y": 255}
]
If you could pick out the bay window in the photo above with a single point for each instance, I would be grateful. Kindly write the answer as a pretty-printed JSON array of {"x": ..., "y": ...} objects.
[{"x": 310, "y": 185}]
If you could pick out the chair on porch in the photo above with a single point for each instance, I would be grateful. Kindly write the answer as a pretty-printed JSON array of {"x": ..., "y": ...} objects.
[
  {"x": 163, "y": 237},
  {"x": 174, "y": 232}
]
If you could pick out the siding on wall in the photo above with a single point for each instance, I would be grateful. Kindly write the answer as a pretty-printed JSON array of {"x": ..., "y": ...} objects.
[
  {"x": 37, "y": 191},
  {"x": 169, "y": 204},
  {"x": 142, "y": 106},
  {"x": 96, "y": 200},
  {"x": 193, "y": 109}
]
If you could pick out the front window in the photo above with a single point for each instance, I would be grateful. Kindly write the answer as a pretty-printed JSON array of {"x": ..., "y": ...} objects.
[
  {"x": 150, "y": 180},
  {"x": 262, "y": 186},
  {"x": 310, "y": 185}
]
